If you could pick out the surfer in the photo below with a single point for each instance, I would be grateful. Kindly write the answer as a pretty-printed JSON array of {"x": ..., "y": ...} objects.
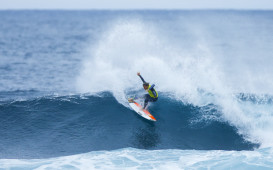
[{"x": 152, "y": 95}]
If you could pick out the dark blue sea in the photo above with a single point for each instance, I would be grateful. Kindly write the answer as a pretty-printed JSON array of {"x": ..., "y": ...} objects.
[{"x": 65, "y": 77}]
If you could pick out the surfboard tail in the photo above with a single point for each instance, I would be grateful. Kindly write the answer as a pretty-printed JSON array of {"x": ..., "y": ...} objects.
[
  {"x": 149, "y": 114},
  {"x": 145, "y": 111}
]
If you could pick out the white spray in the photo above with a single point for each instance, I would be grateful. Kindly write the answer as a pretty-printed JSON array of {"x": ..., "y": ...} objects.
[{"x": 132, "y": 46}]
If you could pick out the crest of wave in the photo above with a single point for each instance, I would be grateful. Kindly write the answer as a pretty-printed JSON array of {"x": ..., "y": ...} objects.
[{"x": 196, "y": 78}]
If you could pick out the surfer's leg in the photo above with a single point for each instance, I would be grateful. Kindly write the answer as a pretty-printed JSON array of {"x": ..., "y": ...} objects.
[
  {"x": 154, "y": 99},
  {"x": 147, "y": 99}
]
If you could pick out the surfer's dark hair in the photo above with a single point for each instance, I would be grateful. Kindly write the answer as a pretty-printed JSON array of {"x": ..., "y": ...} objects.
[{"x": 145, "y": 84}]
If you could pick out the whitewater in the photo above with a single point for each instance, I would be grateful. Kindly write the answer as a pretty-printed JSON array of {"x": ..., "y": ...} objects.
[{"x": 66, "y": 75}]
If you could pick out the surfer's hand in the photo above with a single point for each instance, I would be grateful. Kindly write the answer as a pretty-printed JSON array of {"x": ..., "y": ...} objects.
[{"x": 138, "y": 73}]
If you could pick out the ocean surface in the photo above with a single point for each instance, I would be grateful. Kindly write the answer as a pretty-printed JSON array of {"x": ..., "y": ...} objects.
[{"x": 65, "y": 77}]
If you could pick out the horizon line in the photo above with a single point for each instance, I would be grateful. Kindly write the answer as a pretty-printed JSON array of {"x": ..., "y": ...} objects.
[{"x": 136, "y": 9}]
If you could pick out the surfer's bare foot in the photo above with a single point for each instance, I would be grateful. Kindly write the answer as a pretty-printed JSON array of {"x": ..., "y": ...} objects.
[{"x": 130, "y": 100}]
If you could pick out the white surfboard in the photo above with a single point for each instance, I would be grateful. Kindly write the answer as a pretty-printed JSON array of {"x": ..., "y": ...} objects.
[{"x": 142, "y": 112}]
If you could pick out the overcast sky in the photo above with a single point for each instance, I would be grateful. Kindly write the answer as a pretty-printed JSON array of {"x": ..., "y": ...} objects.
[{"x": 136, "y": 4}]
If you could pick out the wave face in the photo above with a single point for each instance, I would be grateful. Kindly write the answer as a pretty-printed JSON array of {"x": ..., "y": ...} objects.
[{"x": 66, "y": 125}]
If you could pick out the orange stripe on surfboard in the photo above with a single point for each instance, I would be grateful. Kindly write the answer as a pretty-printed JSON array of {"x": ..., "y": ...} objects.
[{"x": 145, "y": 111}]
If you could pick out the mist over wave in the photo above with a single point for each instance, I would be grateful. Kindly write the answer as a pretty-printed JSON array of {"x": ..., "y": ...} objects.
[{"x": 195, "y": 73}]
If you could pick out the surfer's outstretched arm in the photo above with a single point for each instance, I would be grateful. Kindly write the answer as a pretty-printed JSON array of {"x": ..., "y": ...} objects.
[{"x": 141, "y": 77}]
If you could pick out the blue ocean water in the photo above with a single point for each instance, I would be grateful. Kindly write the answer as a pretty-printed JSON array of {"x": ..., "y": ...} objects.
[{"x": 65, "y": 77}]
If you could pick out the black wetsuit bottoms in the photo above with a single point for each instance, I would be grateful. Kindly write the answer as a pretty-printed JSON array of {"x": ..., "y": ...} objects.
[{"x": 148, "y": 98}]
